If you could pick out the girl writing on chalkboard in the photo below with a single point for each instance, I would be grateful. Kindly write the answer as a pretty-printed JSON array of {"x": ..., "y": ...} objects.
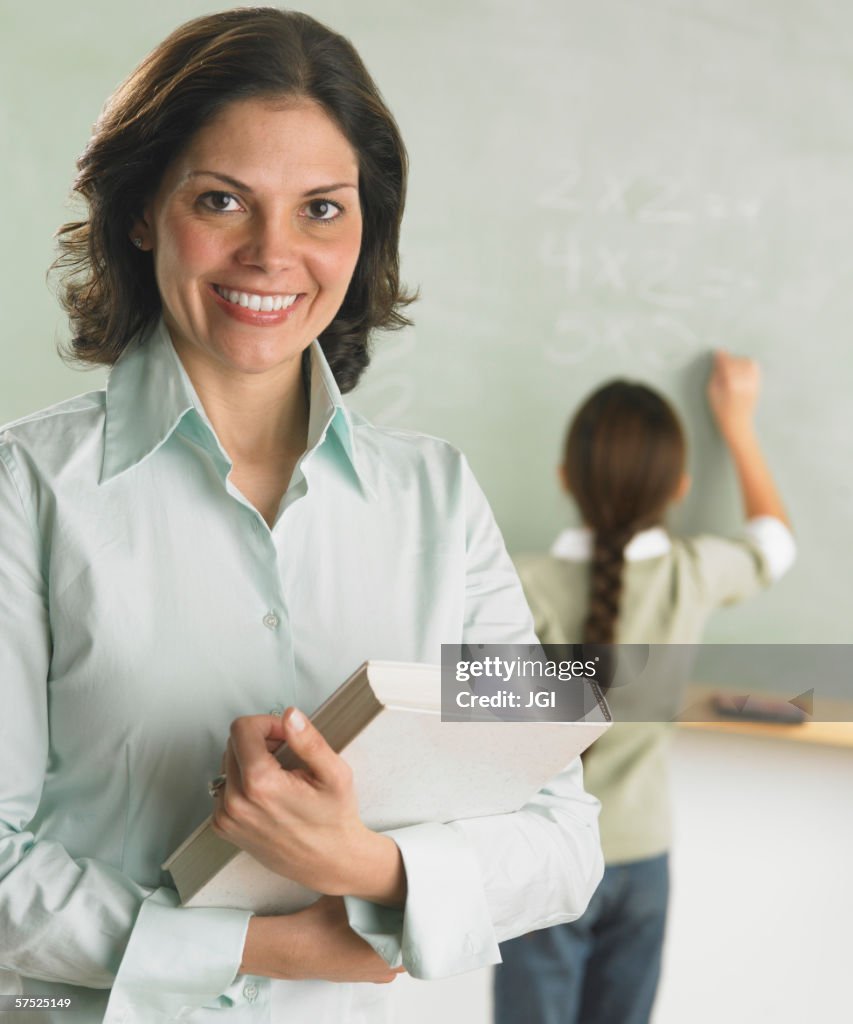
[{"x": 623, "y": 578}]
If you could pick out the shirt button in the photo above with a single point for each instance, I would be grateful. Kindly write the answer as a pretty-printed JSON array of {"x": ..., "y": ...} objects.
[
  {"x": 277, "y": 709},
  {"x": 271, "y": 620},
  {"x": 250, "y": 991}
]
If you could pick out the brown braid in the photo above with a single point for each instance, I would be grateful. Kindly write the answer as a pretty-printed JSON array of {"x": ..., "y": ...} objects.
[{"x": 605, "y": 587}]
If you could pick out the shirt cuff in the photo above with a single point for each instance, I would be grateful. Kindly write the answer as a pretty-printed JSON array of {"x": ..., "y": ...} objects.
[
  {"x": 775, "y": 542},
  {"x": 446, "y": 927},
  {"x": 177, "y": 959}
]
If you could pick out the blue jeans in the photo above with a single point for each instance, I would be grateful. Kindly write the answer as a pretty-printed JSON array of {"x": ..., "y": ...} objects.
[{"x": 602, "y": 968}]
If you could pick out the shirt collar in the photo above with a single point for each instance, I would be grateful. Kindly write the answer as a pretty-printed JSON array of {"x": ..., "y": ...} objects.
[
  {"x": 575, "y": 544},
  {"x": 327, "y": 409},
  {"x": 328, "y": 414},
  {"x": 149, "y": 394}
]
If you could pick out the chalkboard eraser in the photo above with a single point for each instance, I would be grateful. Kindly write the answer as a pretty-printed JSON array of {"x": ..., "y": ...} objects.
[{"x": 757, "y": 709}]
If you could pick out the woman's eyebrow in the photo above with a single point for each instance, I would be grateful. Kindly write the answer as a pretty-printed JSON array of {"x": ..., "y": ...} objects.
[
  {"x": 227, "y": 179},
  {"x": 243, "y": 187},
  {"x": 330, "y": 188}
]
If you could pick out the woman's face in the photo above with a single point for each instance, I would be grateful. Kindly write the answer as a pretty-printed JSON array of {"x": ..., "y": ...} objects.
[{"x": 255, "y": 232}]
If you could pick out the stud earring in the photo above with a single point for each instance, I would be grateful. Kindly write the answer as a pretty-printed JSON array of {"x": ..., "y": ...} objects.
[{"x": 137, "y": 242}]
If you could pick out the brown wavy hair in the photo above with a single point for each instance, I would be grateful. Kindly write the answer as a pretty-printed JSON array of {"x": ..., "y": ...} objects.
[
  {"x": 108, "y": 287},
  {"x": 623, "y": 460}
]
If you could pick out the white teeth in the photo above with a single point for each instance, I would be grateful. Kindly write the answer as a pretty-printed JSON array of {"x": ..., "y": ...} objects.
[{"x": 262, "y": 303}]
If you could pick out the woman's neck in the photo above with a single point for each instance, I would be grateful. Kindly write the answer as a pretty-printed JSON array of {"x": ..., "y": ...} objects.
[
  {"x": 257, "y": 424},
  {"x": 259, "y": 418}
]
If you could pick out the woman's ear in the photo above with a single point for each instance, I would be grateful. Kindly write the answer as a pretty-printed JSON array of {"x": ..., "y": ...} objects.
[
  {"x": 140, "y": 234},
  {"x": 683, "y": 488},
  {"x": 563, "y": 477}
]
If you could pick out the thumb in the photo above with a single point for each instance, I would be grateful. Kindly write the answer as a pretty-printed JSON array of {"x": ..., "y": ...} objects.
[{"x": 308, "y": 744}]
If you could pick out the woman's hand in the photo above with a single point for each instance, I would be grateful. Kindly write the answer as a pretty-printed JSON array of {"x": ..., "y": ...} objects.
[
  {"x": 303, "y": 824},
  {"x": 733, "y": 390},
  {"x": 315, "y": 943}
]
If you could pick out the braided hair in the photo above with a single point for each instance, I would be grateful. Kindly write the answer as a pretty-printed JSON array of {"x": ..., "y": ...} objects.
[{"x": 623, "y": 460}]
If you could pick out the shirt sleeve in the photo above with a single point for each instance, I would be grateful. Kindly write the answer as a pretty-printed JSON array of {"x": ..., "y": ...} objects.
[
  {"x": 476, "y": 882},
  {"x": 79, "y": 921},
  {"x": 775, "y": 542},
  {"x": 732, "y": 569}
]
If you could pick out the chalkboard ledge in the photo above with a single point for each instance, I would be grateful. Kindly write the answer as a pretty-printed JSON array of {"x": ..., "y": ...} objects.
[{"x": 837, "y": 732}]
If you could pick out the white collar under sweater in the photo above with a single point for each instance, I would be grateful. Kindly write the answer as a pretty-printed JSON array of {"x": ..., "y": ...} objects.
[{"x": 575, "y": 544}]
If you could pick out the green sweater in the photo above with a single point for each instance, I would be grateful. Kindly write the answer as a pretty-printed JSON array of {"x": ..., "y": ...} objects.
[{"x": 668, "y": 593}]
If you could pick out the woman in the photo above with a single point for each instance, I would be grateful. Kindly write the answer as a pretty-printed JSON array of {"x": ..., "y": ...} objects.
[{"x": 215, "y": 534}]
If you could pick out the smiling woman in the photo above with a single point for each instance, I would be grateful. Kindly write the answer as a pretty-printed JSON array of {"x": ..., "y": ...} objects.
[
  {"x": 174, "y": 110},
  {"x": 215, "y": 534}
]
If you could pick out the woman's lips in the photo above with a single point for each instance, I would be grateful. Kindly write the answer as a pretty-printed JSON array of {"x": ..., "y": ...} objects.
[{"x": 258, "y": 317}]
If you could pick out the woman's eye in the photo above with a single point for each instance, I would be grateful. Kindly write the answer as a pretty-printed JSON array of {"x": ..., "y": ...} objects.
[
  {"x": 220, "y": 202},
  {"x": 323, "y": 209}
]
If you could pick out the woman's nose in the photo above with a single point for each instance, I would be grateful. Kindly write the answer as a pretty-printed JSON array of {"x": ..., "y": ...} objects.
[{"x": 273, "y": 244}]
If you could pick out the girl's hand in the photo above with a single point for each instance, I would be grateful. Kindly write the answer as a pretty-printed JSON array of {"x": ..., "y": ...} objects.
[
  {"x": 733, "y": 395},
  {"x": 303, "y": 824},
  {"x": 315, "y": 943},
  {"x": 733, "y": 390}
]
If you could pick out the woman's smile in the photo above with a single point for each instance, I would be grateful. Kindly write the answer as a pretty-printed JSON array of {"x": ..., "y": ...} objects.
[{"x": 261, "y": 309}]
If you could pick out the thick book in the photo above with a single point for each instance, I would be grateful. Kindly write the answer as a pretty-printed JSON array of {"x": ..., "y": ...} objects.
[{"x": 408, "y": 766}]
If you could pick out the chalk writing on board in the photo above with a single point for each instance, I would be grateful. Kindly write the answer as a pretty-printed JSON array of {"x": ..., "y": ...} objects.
[
  {"x": 579, "y": 335},
  {"x": 644, "y": 196},
  {"x": 623, "y": 250}
]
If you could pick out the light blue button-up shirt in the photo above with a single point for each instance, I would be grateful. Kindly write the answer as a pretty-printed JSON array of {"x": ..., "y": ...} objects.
[{"x": 145, "y": 604}]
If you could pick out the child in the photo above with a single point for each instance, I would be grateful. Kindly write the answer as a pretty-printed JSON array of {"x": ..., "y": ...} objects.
[{"x": 622, "y": 578}]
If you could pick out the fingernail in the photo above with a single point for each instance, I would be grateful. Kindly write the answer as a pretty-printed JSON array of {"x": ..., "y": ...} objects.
[{"x": 297, "y": 720}]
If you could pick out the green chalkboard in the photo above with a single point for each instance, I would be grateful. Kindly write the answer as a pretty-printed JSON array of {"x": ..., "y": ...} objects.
[{"x": 597, "y": 190}]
